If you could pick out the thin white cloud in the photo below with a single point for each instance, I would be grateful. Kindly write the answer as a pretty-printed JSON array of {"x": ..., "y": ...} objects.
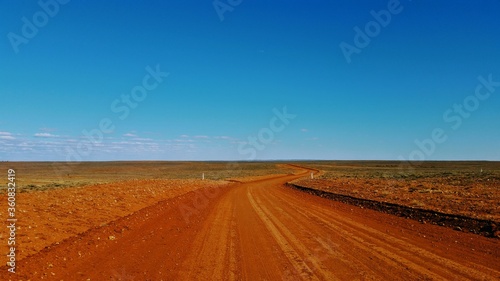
[
  {"x": 129, "y": 135},
  {"x": 304, "y": 130},
  {"x": 6, "y": 136},
  {"x": 201, "y": 137},
  {"x": 123, "y": 142},
  {"x": 45, "y": 135},
  {"x": 184, "y": 136},
  {"x": 183, "y": 140},
  {"x": 47, "y": 130},
  {"x": 46, "y": 145}
]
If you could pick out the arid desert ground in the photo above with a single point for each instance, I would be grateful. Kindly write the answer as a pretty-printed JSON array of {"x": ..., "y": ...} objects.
[{"x": 297, "y": 220}]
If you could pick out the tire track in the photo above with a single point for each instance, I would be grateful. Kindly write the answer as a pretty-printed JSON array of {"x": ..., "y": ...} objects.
[
  {"x": 214, "y": 251},
  {"x": 339, "y": 258},
  {"x": 389, "y": 256},
  {"x": 403, "y": 252},
  {"x": 302, "y": 268}
]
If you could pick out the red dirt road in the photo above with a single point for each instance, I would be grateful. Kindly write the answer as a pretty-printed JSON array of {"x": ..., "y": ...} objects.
[{"x": 262, "y": 230}]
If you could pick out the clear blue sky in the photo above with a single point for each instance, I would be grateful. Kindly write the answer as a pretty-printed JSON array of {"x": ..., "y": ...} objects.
[{"x": 230, "y": 67}]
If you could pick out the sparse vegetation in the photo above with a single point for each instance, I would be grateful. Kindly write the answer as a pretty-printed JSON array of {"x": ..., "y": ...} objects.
[
  {"x": 40, "y": 176},
  {"x": 466, "y": 188}
]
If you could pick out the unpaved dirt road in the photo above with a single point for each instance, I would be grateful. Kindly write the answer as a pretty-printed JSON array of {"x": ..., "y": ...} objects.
[{"x": 262, "y": 230}]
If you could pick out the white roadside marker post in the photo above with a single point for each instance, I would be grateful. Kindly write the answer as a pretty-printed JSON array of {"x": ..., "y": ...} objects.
[
  {"x": 312, "y": 175},
  {"x": 203, "y": 176}
]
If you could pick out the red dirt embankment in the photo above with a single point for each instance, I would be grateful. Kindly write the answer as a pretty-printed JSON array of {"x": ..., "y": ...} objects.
[{"x": 50, "y": 216}]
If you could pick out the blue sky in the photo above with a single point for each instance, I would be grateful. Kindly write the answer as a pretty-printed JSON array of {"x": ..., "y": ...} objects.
[{"x": 231, "y": 68}]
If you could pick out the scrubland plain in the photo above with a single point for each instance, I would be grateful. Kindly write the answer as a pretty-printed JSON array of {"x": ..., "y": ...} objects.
[{"x": 163, "y": 221}]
